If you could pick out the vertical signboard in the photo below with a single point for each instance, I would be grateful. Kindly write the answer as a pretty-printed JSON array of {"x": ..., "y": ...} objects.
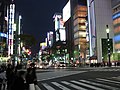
[
  {"x": 11, "y": 13},
  {"x": 92, "y": 28}
]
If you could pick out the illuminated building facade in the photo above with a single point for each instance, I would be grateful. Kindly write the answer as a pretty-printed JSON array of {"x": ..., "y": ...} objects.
[
  {"x": 69, "y": 38},
  {"x": 50, "y": 38},
  {"x": 68, "y": 28},
  {"x": 11, "y": 23},
  {"x": 116, "y": 23},
  {"x": 99, "y": 15},
  {"x": 17, "y": 47},
  {"x": 74, "y": 16},
  {"x": 3, "y": 27},
  {"x": 79, "y": 28}
]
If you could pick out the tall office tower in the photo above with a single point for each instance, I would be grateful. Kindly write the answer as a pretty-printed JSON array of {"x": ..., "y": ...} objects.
[
  {"x": 11, "y": 17},
  {"x": 74, "y": 16},
  {"x": 99, "y": 15},
  {"x": 116, "y": 23},
  {"x": 79, "y": 27}
]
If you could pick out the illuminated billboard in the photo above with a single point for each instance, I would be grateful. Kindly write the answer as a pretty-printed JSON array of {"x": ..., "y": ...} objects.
[
  {"x": 67, "y": 11},
  {"x": 59, "y": 27},
  {"x": 62, "y": 31},
  {"x": 62, "y": 35},
  {"x": 57, "y": 18}
]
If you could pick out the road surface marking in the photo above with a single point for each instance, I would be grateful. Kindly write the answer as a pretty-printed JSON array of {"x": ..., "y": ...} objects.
[
  {"x": 116, "y": 78},
  {"x": 98, "y": 84},
  {"x": 47, "y": 86},
  {"x": 108, "y": 80},
  {"x": 73, "y": 85},
  {"x": 86, "y": 85},
  {"x": 60, "y": 86}
]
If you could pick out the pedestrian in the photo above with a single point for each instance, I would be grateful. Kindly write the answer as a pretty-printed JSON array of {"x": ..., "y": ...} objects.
[
  {"x": 8, "y": 72},
  {"x": 31, "y": 77},
  {"x": 19, "y": 82},
  {"x": 2, "y": 78},
  {"x": 11, "y": 75}
]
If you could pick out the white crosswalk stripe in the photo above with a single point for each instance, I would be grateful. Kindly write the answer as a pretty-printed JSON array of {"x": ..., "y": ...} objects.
[
  {"x": 87, "y": 84},
  {"x": 99, "y": 84},
  {"x": 109, "y": 80},
  {"x": 47, "y": 86},
  {"x": 116, "y": 78},
  {"x": 60, "y": 86},
  {"x": 73, "y": 85}
]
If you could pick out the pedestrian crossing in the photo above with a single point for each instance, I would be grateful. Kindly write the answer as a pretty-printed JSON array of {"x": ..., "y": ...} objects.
[
  {"x": 112, "y": 83},
  {"x": 114, "y": 70}
]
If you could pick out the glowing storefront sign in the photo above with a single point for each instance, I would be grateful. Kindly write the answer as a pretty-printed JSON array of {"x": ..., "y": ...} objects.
[
  {"x": 116, "y": 15},
  {"x": 3, "y": 35},
  {"x": 117, "y": 38},
  {"x": 43, "y": 45}
]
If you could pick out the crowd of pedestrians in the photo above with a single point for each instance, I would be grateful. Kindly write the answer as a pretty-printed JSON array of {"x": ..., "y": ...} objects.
[{"x": 13, "y": 79}]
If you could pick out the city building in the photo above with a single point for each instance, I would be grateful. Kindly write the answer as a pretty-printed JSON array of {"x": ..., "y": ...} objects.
[
  {"x": 67, "y": 18},
  {"x": 69, "y": 39},
  {"x": 59, "y": 46},
  {"x": 79, "y": 27},
  {"x": 116, "y": 23},
  {"x": 74, "y": 16},
  {"x": 43, "y": 52},
  {"x": 17, "y": 47},
  {"x": 99, "y": 15},
  {"x": 11, "y": 27},
  {"x": 3, "y": 27}
]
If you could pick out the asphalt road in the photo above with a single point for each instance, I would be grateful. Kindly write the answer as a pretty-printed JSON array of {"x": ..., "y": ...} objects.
[{"x": 79, "y": 79}]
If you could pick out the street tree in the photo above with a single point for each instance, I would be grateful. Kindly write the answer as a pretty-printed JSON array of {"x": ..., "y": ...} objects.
[{"x": 27, "y": 40}]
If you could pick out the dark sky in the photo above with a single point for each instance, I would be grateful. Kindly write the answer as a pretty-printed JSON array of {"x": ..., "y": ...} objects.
[{"x": 38, "y": 16}]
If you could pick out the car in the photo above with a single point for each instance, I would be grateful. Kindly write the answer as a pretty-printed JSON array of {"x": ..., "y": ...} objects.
[{"x": 62, "y": 64}]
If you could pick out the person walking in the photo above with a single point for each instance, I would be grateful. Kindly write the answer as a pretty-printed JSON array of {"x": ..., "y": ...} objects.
[
  {"x": 2, "y": 79},
  {"x": 19, "y": 82},
  {"x": 11, "y": 75},
  {"x": 31, "y": 77},
  {"x": 8, "y": 72}
]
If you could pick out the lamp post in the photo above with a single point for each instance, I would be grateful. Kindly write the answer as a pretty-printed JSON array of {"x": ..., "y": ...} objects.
[
  {"x": 79, "y": 53},
  {"x": 108, "y": 45}
]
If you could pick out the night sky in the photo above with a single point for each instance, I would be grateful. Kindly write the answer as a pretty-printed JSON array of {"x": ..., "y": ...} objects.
[{"x": 38, "y": 17}]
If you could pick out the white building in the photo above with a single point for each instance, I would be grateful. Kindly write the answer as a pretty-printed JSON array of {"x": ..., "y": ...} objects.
[{"x": 99, "y": 15}]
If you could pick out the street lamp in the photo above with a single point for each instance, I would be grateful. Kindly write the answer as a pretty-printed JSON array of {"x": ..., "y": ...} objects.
[
  {"x": 108, "y": 45},
  {"x": 79, "y": 53}
]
